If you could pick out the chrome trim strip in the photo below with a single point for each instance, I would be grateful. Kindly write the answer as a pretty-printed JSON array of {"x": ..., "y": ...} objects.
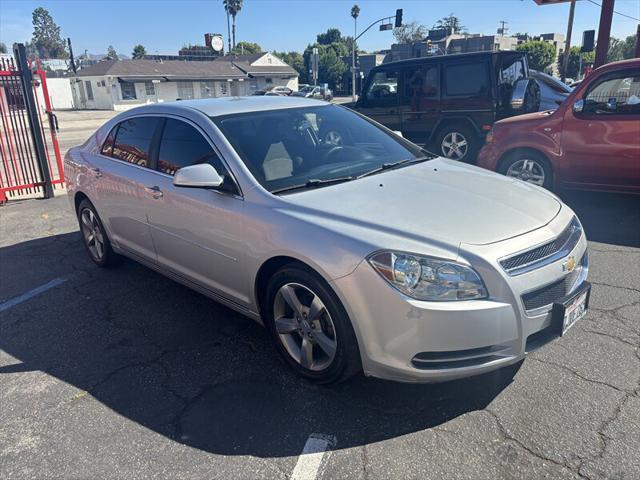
[{"x": 565, "y": 250}]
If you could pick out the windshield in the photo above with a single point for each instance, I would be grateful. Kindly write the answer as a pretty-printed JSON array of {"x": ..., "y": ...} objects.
[{"x": 312, "y": 145}]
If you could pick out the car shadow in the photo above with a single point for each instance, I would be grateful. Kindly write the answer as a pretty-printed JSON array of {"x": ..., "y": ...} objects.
[
  {"x": 607, "y": 217},
  {"x": 180, "y": 364}
]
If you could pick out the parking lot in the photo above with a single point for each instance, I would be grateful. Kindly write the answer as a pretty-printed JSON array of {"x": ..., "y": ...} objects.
[{"x": 125, "y": 374}]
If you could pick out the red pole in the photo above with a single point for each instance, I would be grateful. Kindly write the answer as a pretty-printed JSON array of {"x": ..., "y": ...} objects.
[{"x": 604, "y": 32}]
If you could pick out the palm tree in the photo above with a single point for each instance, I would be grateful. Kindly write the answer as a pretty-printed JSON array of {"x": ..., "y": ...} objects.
[{"x": 233, "y": 7}]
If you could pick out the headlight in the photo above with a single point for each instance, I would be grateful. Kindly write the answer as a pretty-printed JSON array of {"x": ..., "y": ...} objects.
[{"x": 425, "y": 278}]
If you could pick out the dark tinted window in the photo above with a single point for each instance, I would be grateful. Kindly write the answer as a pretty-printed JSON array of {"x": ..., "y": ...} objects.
[
  {"x": 107, "y": 146},
  {"x": 466, "y": 79},
  {"x": 420, "y": 84},
  {"x": 133, "y": 140},
  {"x": 183, "y": 145}
]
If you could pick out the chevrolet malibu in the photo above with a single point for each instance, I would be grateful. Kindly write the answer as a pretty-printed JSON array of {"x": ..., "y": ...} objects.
[{"x": 364, "y": 254}]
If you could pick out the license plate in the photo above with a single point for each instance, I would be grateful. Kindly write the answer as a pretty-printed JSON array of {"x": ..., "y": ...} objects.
[{"x": 568, "y": 310}]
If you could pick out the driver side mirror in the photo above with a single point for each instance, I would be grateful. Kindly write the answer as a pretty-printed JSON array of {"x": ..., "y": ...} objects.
[
  {"x": 202, "y": 175},
  {"x": 578, "y": 106}
]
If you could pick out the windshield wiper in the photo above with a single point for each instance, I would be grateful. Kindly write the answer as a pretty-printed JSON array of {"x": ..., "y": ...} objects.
[
  {"x": 313, "y": 183},
  {"x": 390, "y": 166}
]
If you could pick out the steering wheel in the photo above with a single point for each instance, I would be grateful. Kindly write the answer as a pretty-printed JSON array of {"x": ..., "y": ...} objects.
[{"x": 326, "y": 158}]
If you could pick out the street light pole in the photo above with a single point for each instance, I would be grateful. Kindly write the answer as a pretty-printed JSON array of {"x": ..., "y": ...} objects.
[{"x": 355, "y": 12}]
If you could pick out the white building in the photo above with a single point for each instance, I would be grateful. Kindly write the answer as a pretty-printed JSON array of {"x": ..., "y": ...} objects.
[{"x": 123, "y": 84}]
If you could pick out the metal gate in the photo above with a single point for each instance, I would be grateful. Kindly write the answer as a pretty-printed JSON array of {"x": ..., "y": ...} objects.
[{"x": 30, "y": 163}]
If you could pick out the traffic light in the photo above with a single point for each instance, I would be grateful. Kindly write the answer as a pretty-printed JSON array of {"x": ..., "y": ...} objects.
[
  {"x": 588, "y": 39},
  {"x": 398, "y": 18}
]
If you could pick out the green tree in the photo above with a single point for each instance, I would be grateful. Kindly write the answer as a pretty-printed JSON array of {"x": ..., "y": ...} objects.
[
  {"x": 233, "y": 7},
  {"x": 111, "y": 53},
  {"x": 138, "y": 52},
  {"x": 452, "y": 23},
  {"x": 331, "y": 69},
  {"x": 410, "y": 32},
  {"x": 246, "y": 48},
  {"x": 3, "y": 48},
  {"x": 573, "y": 67},
  {"x": 47, "y": 41},
  {"x": 332, "y": 35},
  {"x": 540, "y": 54},
  {"x": 621, "y": 49}
]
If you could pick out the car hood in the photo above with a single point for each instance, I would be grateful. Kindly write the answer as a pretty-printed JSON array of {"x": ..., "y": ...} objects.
[{"x": 441, "y": 200}]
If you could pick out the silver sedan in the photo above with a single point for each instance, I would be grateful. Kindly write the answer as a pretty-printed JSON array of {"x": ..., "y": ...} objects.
[{"x": 368, "y": 254}]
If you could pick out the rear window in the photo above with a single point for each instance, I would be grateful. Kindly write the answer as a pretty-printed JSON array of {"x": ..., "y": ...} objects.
[
  {"x": 133, "y": 140},
  {"x": 466, "y": 79}
]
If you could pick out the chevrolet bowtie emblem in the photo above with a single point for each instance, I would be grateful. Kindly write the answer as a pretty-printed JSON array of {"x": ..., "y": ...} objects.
[{"x": 569, "y": 264}]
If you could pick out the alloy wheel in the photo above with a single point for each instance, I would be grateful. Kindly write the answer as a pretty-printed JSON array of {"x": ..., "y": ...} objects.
[
  {"x": 304, "y": 327},
  {"x": 528, "y": 170},
  {"x": 92, "y": 233},
  {"x": 454, "y": 145}
]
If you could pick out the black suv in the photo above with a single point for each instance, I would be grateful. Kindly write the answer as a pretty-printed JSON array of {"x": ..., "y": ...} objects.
[{"x": 449, "y": 102}]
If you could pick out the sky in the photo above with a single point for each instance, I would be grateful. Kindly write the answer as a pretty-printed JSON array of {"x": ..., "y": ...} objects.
[{"x": 164, "y": 26}]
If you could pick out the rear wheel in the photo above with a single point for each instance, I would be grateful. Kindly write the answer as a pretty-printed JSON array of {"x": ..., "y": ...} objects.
[
  {"x": 310, "y": 327},
  {"x": 530, "y": 167},
  {"x": 95, "y": 237},
  {"x": 457, "y": 142}
]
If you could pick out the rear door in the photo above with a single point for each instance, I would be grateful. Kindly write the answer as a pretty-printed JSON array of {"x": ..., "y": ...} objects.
[
  {"x": 602, "y": 142},
  {"x": 419, "y": 101},
  {"x": 123, "y": 174},
  {"x": 197, "y": 232},
  {"x": 380, "y": 99}
]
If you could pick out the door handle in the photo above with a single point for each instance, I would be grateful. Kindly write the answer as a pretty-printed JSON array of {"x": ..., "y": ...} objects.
[
  {"x": 96, "y": 172},
  {"x": 154, "y": 191}
]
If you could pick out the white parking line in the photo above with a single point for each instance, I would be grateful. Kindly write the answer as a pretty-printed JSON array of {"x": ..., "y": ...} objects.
[
  {"x": 31, "y": 293},
  {"x": 310, "y": 459}
]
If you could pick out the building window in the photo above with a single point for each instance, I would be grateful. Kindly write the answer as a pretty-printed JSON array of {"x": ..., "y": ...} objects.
[
  {"x": 149, "y": 89},
  {"x": 207, "y": 89},
  {"x": 87, "y": 84},
  {"x": 185, "y": 90},
  {"x": 224, "y": 89},
  {"x": 128, "y": 90},
  {"x": 268, "y": 80}
]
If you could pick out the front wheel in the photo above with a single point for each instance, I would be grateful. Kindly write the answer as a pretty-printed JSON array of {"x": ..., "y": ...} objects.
[
  {"x": 310, "y": 327},
  {"x": 530, "y": 167}
]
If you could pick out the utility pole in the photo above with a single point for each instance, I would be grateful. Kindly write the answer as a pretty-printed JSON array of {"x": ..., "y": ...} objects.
[
  {"x": 604, "y": 32},
  {"x": 503, "y": 28},
  {"x": 567, "y": 44},
  {"x": 73, "y": 60}
]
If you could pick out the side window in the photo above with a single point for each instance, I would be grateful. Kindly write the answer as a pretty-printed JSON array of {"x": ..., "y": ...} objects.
[
  {"x": 383, "y": 89},
  {"x": 133, "y": 140},
  {"x": 466, "y": 79},
  {"x": 182, "y": 145},
  {"x": 107, "y": 146},
  {"x": 617, "y": 94},
  {"x": 420, "y": 84},
  {"x": 128, "y": 90}
]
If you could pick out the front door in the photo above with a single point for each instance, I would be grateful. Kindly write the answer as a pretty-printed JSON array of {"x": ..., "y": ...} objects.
[
  {"x": 380, "y": 100},
  {"x": 419, "y": 101},
  {"x": 197, "y": 232},
  {"x": 602, "y": 142},
  {"x": 122, "y": 175}
]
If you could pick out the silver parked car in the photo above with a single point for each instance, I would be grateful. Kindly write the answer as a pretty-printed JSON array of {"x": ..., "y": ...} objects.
[
  {"x": 366, "y": 255},
  {"x": 552, "y": 90}
]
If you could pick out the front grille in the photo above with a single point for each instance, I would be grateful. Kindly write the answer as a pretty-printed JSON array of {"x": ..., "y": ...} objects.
[
  {"x": 544, "y": 254},
  {"x": 550, "y": 293}
]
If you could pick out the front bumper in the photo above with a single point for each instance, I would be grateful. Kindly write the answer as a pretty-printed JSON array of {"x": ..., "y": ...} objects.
[
  {"x": 409, "y": 340},
  {"x": 488, "y": 156}
]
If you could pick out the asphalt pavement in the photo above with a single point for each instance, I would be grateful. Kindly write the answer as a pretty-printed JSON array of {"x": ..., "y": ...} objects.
[{"x": 123, "y": 373}]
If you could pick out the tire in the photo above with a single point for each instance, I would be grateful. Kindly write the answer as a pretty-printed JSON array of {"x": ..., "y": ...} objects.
[
  {"x": 531, "y": 167},
  {"x": 455, "y": 134},
  {"x": 94, "y": 236},
  {"x": 332, "y": 325}
]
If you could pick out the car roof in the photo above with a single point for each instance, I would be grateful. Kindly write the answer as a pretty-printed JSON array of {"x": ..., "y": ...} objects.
[
  {"x": 441, "y": 58},
  {"x": 216, "y": 107}
]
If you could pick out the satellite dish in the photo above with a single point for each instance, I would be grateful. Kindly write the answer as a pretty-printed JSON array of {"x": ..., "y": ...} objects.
[{"x": 216, "y": 43}]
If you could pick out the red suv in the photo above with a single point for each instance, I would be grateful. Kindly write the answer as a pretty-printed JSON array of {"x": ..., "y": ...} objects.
[{"x": 592, "y": 141}]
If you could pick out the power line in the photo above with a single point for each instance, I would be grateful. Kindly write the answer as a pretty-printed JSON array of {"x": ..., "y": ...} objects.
[{"x": 618, "y": 13}]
